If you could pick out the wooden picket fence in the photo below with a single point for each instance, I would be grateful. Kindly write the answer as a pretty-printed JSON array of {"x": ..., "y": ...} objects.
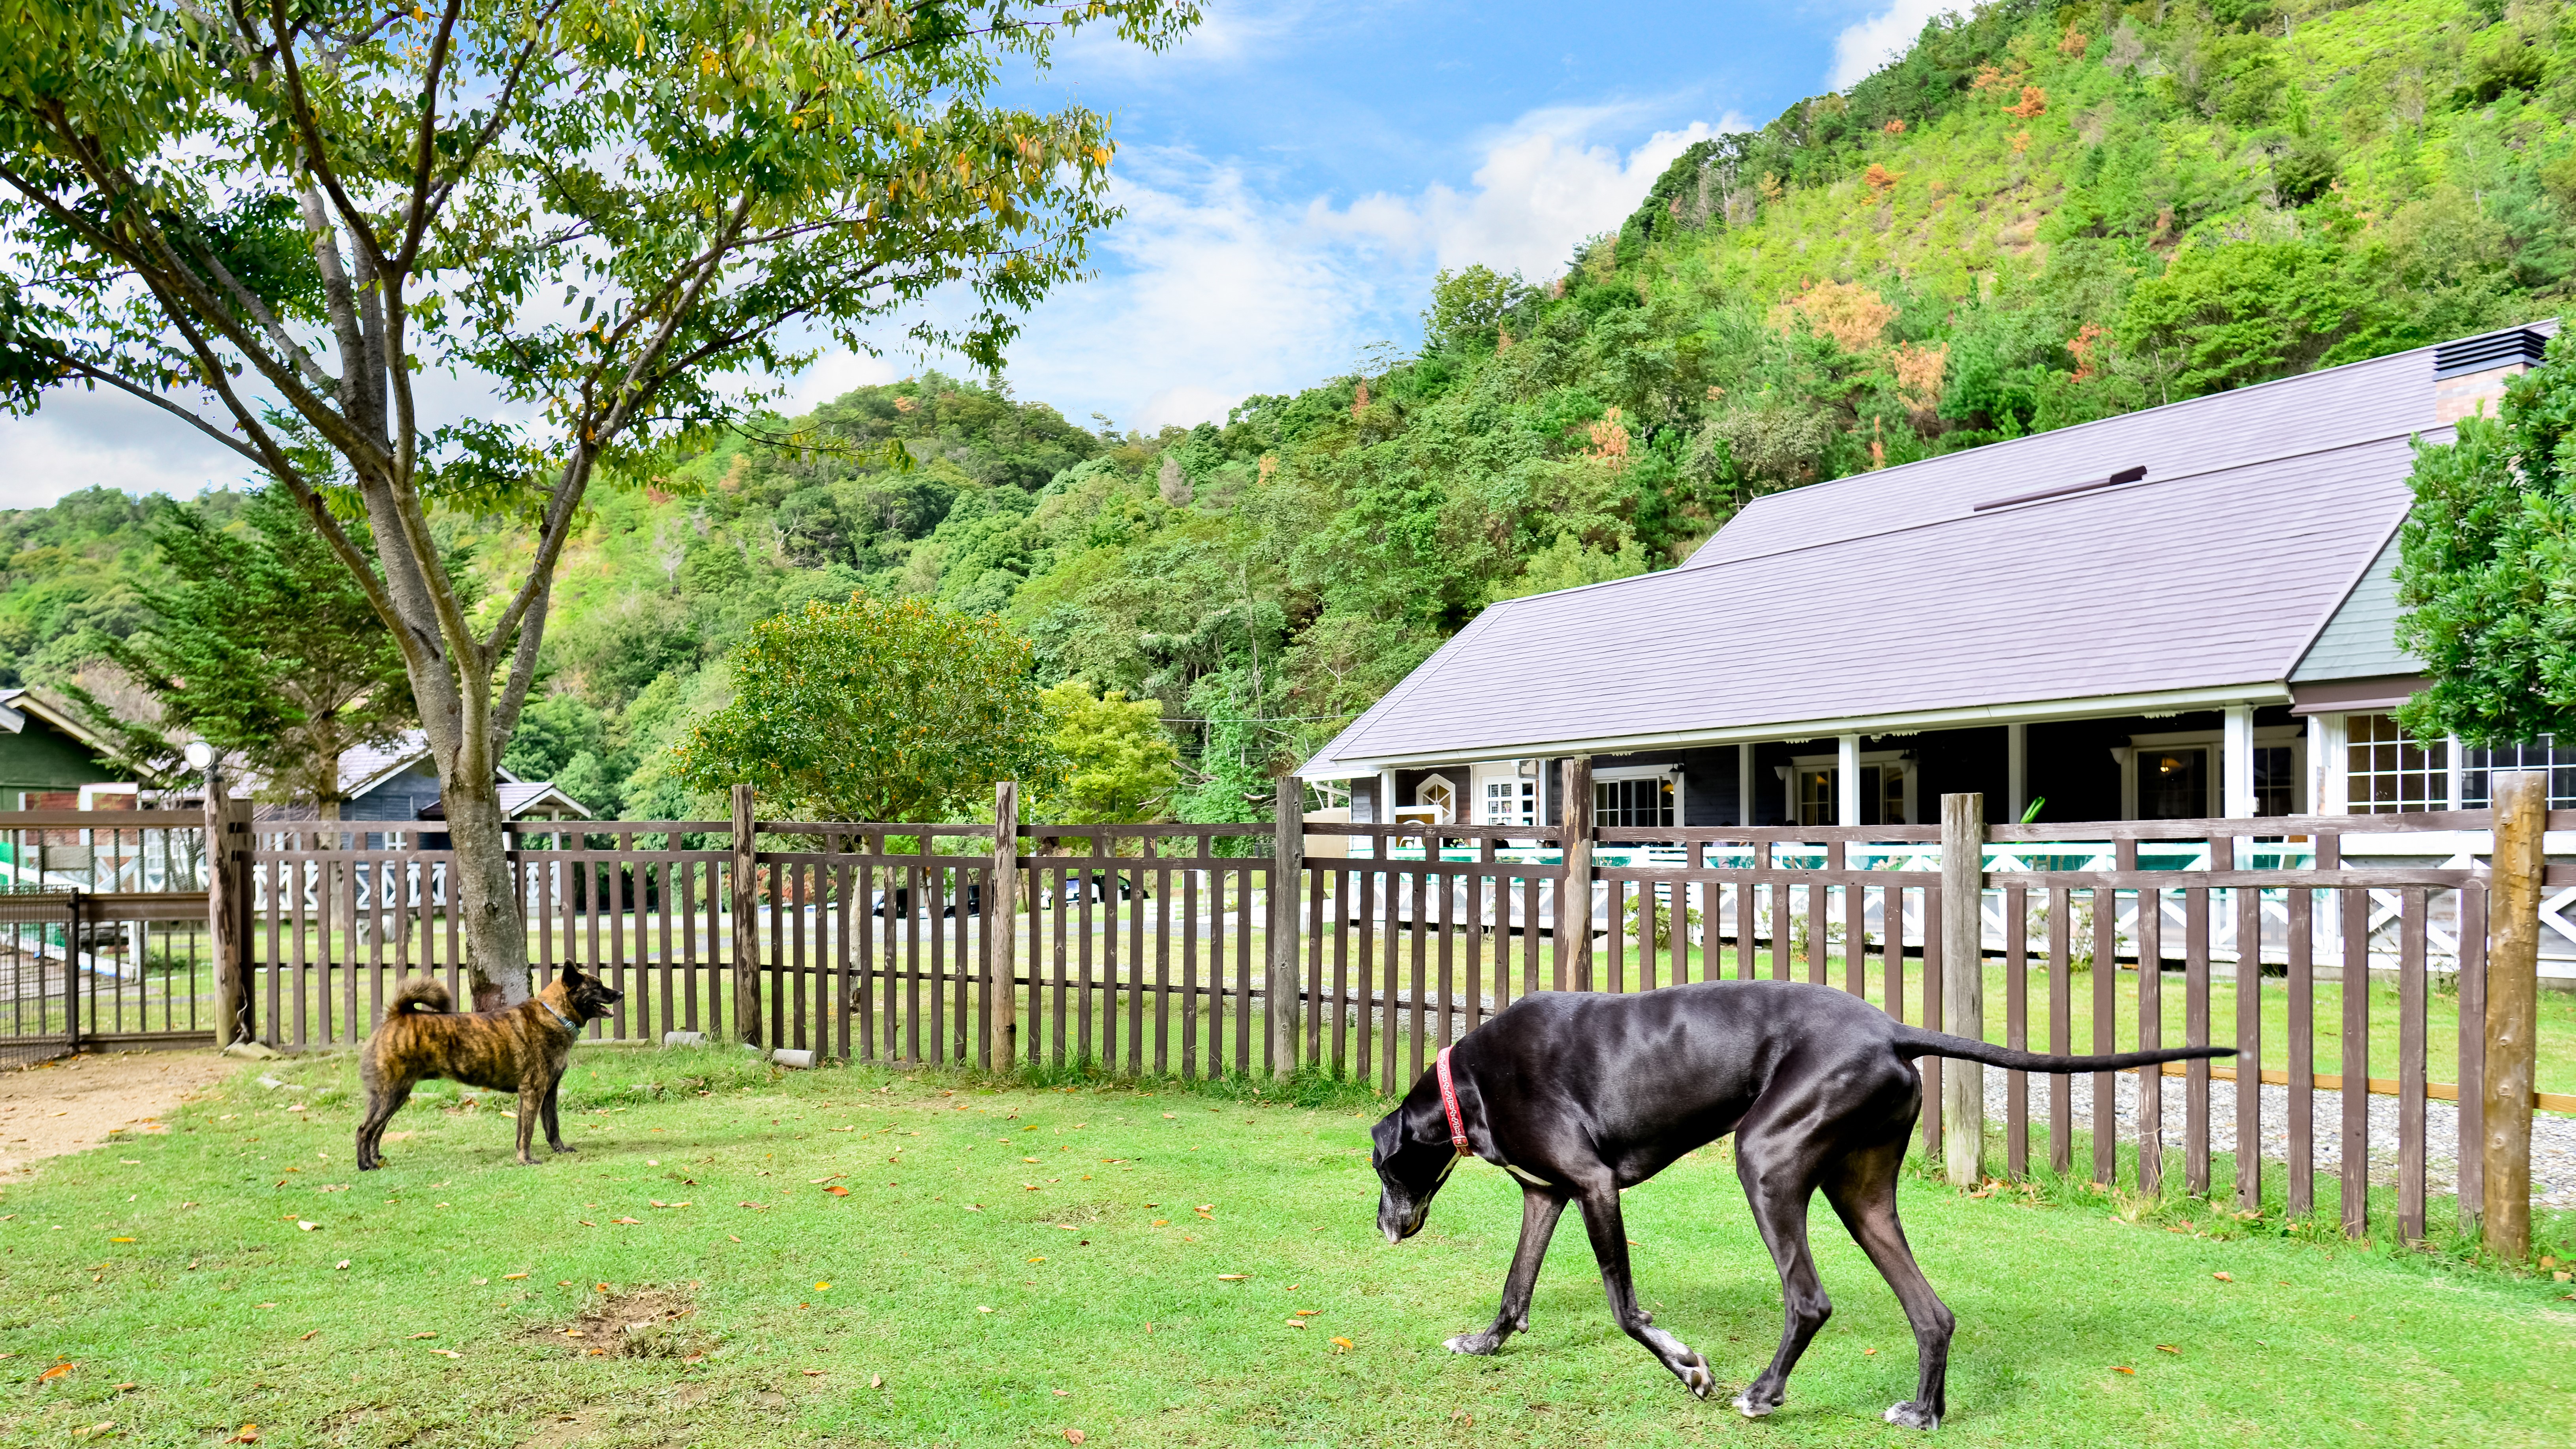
[{"x": 1357, "y": 950}]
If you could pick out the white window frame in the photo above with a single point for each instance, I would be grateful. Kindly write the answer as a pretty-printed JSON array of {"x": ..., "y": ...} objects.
[
  {"x": 1521, "y": 794},
  {"x": 1670, "y": 773},
  {"x": 1441, "y": 814}
]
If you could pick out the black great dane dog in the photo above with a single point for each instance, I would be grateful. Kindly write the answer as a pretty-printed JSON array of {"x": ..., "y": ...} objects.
[{"x": 1581, "y": 1095}]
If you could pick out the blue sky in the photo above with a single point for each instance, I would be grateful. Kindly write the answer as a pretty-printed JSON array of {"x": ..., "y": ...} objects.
[{"x": 1293, "y": 176}]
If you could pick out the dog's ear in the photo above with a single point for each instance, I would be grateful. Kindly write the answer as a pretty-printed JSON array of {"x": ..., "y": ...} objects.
[{"x": 571, "y": 975}]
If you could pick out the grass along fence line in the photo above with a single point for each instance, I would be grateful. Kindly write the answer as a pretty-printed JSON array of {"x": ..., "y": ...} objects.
[{"x": 1013, "y": 1261}]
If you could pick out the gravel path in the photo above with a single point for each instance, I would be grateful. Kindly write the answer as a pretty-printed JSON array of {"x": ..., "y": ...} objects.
[{"x": 2553, "y": 1137}]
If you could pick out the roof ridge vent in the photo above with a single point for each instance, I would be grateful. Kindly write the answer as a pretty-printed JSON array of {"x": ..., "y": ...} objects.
[
  {"x": 2125, "y": 475},
  {"x": 2491, "y": 350}
]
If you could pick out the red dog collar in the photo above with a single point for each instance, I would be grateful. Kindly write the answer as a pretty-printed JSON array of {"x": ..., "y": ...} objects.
[{"x": 1449, "y": 1103}]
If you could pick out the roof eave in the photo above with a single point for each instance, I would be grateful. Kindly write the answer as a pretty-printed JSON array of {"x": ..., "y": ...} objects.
[{"x": 1897, "y": 722}]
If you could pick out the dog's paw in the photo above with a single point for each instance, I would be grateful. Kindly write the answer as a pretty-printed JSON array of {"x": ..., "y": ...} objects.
[
  {"x": 1696, "y": 1377},
  {"x": 1478, "y": 1344},
  {"x": 1753, "y": 1408},
  {"x": 1912, "y": 1415},
  {"x": 565, "y": 1147}
]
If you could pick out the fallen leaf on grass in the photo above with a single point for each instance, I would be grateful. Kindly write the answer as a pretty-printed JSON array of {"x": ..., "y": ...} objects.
[
  {"x": 507, "y": 1277},
  {"x": 340, "y": 1267},
  {"x": 819, "y": 1181},
  {"x": 1296, "y": 1323},
  {"x": 575, "y": 1333},
  {"x": 631, "y": 1222},
  {"x": 837, "y": 1190},
  {"x": 1038, "y": 1259},
  {"x": 587, "y": 1223},
  {"x": 812, "y": 1373},
  {"x": 2124, "y": 1369},
  {"x": 57, "y": 1371},
  {"x": 982, "y": 1308},
  {"x": 2168, "y": 1348},
  {"x": 446, "y": 1353},
  {"x": 1075, "y": 1436},
  {"x": 249, "y": 1435},
  {"x": 876, "y": 1381},
  {"x": 308, "y": 1333},
  {"x": 2222, "y": 1277},
  {"x": 425, "y": 1335},
  {"x": 308, "y": 1227},
  {"x": 1231, "y": 1277},
  {"x": 822, "y": 1287},
  {"x": 1341, "y": 1345},
  {"x": 1307, "y": 1312},
  {"x": 120, "y": 1240}
]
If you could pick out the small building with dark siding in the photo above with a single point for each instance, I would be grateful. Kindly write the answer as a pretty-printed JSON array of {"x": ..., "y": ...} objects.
[
  {"x": 46, "y": 755},
  {"x": 2183, "y": 612},
  {"x": 395, "y": 788}
]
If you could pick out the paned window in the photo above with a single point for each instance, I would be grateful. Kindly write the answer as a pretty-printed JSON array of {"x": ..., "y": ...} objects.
[
  {"x": 2547, "y": 754},
  {"x": 2173, "y": 782},
  {"x": 2276, "y": 780},
  {"x": 2392, "y": 772},
  {"x": 1647, "y": 801},
  {"x": 1510, "y": 802}
]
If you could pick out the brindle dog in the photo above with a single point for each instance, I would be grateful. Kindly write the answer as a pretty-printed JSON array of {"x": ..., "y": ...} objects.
[{"x": 523, "y": 1048}]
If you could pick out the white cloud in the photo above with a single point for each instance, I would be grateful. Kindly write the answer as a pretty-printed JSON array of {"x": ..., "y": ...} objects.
[
  {"x": 1861, "y": 49},
  {"x": 836, "y": 372},
  {"x": 107, "y": 440},
  {"x": 1540, "y": 190},
  {"x": 1213, "y": 292}
]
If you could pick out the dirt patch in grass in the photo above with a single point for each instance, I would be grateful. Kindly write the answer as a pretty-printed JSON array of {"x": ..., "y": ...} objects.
[
  {"x": 79, "y": 1102},
  {"x": 650, "y": 1322}
]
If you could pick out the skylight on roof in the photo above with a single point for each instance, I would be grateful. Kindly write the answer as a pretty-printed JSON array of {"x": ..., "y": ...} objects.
[{"x": 2125, "y": 475}]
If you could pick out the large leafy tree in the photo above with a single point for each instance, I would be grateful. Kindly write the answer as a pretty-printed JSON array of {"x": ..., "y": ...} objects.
[
  {"x": 2487, "y": 568},
  {"x": 261, "y": 644},
  {"x": 1118, "y": 766},
  {"x": 269, "y": 221},
  {"x": 876, "y": 709}
]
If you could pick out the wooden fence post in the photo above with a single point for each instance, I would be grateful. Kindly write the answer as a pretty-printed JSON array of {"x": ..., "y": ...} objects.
[
  {"x": 228, "y": 847},
  {"x": 1002, "y": 931},
  {"x": 746, "y": 923},
  {"x": 1963, "y": 984},
  {"x": 1574, "y": 894},
  {"x": 2513, "y": 1009},
  {"x": 1281, "y": 1006}
]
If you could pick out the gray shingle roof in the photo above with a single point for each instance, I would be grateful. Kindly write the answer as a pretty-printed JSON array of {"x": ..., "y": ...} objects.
[{"x": 1892, "y": 594}]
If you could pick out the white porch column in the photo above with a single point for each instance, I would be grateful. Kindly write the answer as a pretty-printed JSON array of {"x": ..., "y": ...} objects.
[
  {"x": 2016, "y": 771},
  {"x": 1847, "y": 780},
  {"x": 1744, "y": 783},
  {"x": 2236, "y": 773},
  {"x": 2459, "y": 781},
  {"x": 2329, "y": 777}
]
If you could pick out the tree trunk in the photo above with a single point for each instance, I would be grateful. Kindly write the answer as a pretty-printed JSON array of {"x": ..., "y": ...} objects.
[{"x": 481, "y": 887}]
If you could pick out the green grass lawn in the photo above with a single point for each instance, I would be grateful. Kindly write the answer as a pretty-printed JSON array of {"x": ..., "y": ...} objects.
[{"x": 963, "y": 1293}]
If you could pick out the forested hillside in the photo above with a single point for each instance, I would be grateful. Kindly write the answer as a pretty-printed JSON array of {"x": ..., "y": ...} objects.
[{"x": 2042, "y": 214}]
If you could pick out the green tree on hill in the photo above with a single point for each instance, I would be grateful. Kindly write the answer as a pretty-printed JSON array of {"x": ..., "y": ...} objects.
[
  {"x": 260, "y": 644},
  {"x": 875, "y": 709},
  {"x": 2487, "y": 567}
]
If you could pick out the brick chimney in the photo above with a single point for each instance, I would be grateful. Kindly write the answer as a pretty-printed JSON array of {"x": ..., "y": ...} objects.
[{"x": 2469, "y": 375}]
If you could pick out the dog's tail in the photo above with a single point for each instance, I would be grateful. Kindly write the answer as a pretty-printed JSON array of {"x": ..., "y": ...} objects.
[
  {"x": 422, "y": 993},
  {"x": 1916, "y": 1042}
]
